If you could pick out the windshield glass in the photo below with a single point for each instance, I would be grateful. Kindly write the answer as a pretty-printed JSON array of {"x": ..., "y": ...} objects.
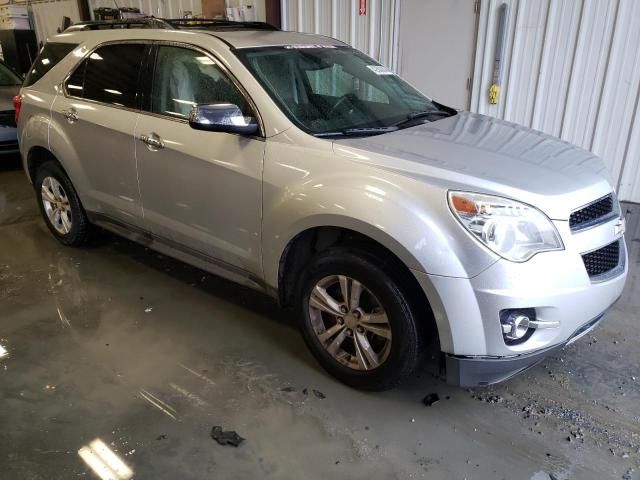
[
  {"x": 7, "y": 77},
  {"x": 337, "y": 90}
]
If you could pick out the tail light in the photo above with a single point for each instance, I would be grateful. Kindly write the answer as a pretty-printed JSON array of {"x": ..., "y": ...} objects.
[{"x": 17, "y": 105}]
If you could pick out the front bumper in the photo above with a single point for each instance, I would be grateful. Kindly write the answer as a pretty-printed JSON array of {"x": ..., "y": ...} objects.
[
  {"x": 555, "y": 284},
  {"x": 482, "y": 371}
]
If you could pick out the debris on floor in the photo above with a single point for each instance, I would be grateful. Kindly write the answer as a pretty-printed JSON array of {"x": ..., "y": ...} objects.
[
  {"x": 226, "y": 437},
  {"x": 488, "y": 397},
  {"x": 161, "y": 437},
  {"x": 576, "y": 434},
  {"x": 431, "y": 399},
  {"x": 319, "y": 394},
  {"x": 287, "y": 389}
]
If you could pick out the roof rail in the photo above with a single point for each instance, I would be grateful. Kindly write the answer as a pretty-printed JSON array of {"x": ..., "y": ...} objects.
[
  {"x": 215, "y": 24},
  {"x": 143, "y": 22}
]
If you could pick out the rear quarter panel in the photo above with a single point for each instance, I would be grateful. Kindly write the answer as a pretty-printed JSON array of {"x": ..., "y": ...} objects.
[
  {"x": 33, "y": 124},
  {"x": 37, "y": 100}
]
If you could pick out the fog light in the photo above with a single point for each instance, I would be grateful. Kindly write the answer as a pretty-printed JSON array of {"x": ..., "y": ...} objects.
[{"x": 517, "y": 325}]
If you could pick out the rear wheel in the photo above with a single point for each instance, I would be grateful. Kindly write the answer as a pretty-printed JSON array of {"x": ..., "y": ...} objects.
[
  {"x": 60, "y": 205},
  {"x": 357, "y": 321}
]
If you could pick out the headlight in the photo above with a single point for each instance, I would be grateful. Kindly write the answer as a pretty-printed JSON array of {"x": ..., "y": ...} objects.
[{"x": 511, "y": 229}]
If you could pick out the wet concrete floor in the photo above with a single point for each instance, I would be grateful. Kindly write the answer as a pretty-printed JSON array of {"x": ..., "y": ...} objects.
[{"x": 119, "y": 344}]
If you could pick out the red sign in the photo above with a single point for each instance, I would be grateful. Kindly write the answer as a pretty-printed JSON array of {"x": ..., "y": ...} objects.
[{"x": 363, "y": 8}]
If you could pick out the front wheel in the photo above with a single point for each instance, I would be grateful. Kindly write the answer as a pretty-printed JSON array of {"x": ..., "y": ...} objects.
[{"x": 357, "y": 321}]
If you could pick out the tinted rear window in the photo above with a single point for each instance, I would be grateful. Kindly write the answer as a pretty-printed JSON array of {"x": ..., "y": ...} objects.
[
  {"x": 109, "y": 75},
  {"x": 48, "y": 58}
]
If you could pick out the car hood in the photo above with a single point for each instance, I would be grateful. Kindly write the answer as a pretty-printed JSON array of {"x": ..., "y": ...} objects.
[
  {"x": 6, "y": 97},
  {"x": 483, "y": 154}
]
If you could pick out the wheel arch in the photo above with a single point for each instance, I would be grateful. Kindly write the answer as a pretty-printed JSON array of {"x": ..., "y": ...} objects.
[
  {"x": 36, "y": 156},
  {"x": 313, "y": 240}
]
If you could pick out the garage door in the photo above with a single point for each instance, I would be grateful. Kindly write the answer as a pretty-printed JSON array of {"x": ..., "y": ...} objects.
[{"x": 571, "y": 69}]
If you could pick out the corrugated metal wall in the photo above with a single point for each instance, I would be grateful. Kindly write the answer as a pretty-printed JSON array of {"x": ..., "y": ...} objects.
[
  {"x": 373, "y": 33},
  {"x": 158, "y": 8},
  {"x": 572, "y": 69}
]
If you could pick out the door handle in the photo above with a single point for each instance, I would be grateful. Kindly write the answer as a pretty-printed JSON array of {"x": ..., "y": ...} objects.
[
  {"x": 153, "y": 141},
  {"x": 70, "y": 114}
]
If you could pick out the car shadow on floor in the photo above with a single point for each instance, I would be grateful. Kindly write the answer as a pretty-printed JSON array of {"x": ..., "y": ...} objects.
[{"x": 256, "y": 302}]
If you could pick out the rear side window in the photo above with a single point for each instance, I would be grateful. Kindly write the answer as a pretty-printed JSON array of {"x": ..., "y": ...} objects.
[
  {"x": 48, "y": 58},
  {"x": 109, "y": 75}
]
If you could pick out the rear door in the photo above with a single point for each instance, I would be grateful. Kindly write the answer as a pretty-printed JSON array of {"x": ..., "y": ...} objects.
[
  {"x": 99, "y": 109},
  {"x": 201, "y": 191}
]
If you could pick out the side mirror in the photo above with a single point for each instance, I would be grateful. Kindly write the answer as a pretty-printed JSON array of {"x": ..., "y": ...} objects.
[{"x": 222, "y": 117}]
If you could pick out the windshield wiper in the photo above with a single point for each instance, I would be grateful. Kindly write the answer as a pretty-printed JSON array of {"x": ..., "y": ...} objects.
[
  {"x": 427, "y": 113},
  {"x": 353, "y": 132}
]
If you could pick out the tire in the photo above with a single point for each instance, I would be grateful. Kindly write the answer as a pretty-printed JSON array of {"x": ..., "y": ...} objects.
[
  {"x": 353, "y": 363},
  {"x": 71, "y": 227}
]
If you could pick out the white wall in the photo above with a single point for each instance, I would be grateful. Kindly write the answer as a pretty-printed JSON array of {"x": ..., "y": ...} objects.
[
  {"x": 258, "y": 5},
  {"x": 47, "y": 16},
  {"x": 372, "y": 33},
  {"x": 572, "y": 69},
  {"x": 437, "y": 41}
]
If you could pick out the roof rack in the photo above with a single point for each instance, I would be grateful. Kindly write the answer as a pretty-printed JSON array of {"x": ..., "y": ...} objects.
[
  {"x": 215, "y": 24},
  {"x": 143, "y": 22}
]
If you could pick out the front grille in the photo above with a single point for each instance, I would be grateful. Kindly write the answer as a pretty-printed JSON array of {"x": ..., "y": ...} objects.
[
  {"x": 592, "y": 213},
  {"x": 603, "y": 260},
  {"x": 8, "y": 118}
]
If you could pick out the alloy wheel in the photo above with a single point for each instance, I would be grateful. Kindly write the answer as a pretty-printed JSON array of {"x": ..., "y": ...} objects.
[
  {"x": 349, "y": 322},
  {"x": 56, "y": 205}
]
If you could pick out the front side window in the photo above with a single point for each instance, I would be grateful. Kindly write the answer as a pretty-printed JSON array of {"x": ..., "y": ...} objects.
[
  {"x": 332, "y": 90},
  {"x": 184, "y": 77},
  {"x": 109, "y": 75}
]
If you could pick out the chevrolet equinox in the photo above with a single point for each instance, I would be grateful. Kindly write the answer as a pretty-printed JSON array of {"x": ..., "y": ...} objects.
[{"x": 298, "y": 166}]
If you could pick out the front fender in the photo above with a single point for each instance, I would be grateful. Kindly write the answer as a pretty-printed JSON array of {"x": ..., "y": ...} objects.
[{"x": 311, "y": 187}]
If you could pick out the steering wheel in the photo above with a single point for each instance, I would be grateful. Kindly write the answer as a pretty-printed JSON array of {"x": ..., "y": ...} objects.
[{"x": 340, "y": 103}]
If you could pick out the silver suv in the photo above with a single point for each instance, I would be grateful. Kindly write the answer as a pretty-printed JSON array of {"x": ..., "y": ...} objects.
[{"x": 298, "y": 166}]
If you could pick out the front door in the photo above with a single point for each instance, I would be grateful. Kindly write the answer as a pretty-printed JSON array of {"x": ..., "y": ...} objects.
[
  {"x": 201, "y": 191},
  {"x": 98, "y": 109}
]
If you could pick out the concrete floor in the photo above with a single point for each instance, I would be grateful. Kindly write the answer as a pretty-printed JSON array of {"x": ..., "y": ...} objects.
[{"x": 117, "y": 343}]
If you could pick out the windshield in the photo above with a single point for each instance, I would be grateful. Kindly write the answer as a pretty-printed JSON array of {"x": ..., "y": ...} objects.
[
  {"x": 7, "y": 77},
  {"x": 337, "y": 91}
]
